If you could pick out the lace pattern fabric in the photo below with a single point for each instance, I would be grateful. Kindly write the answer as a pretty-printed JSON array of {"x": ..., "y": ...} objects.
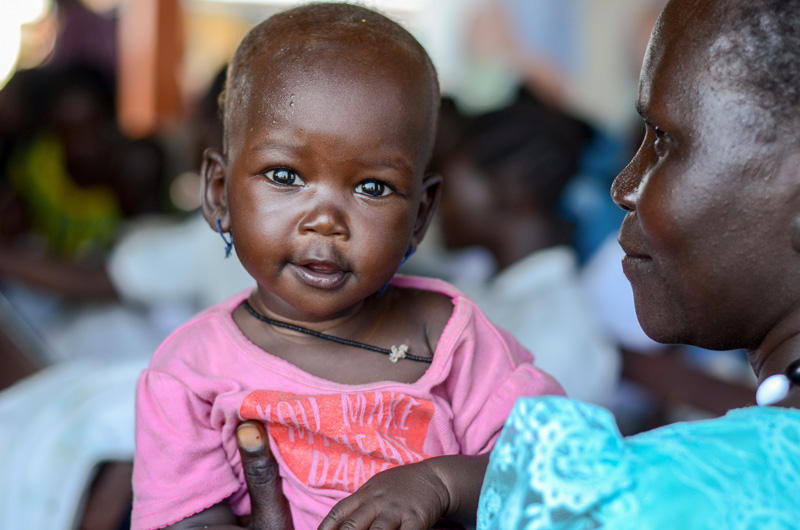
[{"x": 562, "y": 464}]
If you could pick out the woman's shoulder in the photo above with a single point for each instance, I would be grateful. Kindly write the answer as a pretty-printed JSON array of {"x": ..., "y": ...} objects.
[
  {"x": 561, "y": 458},
  {"x": 553, "y": 454}
]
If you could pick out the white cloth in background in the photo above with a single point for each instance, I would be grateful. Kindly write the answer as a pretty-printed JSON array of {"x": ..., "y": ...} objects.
[
  {"x": 163, "y": 263},
  {"x": 165, "y": 272},
  {"x": 540, "y": 301},
  {"x": 57, "y": 426}
]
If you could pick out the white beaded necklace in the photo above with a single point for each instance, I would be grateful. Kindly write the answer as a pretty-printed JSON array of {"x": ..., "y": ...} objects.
[{"x": 776, "y": 387}]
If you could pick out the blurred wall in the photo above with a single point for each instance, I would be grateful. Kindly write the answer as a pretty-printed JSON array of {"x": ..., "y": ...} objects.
[{"x": 605, "y": 41}]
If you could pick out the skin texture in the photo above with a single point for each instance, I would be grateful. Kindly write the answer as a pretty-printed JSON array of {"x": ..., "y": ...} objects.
[
  {"x": 712, "y": 201},
  {"x": 322, "y": 185}
]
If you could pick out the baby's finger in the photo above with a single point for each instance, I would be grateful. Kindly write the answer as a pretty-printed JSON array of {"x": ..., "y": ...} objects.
[
  {"x": 351, "y": 514},
  {"x": 270, "y": 510},
  {"x": 372, "y": 515}
]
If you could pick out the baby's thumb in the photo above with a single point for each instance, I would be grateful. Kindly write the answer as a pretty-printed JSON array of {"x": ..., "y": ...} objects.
[{"x": 270, "y": 510}]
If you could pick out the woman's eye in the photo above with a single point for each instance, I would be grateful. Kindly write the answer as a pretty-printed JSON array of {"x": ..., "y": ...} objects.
[
  {"x": 373, "y": 188},
  {"x": 284, "y": 176},
  {"x": 660, "y": 145}
]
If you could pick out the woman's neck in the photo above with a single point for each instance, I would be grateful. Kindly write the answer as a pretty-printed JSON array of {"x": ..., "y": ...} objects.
[{"x": 779, "y": 349}]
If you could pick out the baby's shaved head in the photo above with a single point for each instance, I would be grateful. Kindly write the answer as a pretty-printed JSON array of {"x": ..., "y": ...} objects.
[{"x": 323, "y": 36}]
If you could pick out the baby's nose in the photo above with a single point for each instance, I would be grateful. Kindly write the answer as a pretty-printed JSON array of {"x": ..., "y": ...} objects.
[{"x": 325, "y": 217}]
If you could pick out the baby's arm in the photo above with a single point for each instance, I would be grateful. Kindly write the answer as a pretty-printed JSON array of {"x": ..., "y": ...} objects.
[
  {"x": 219, "y": 517},
  {"x": 269, "y": 511},
  {"x": 414, "y": 496}
]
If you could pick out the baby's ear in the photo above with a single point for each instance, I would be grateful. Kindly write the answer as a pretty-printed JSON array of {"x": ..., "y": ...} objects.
[
  {"x": 214, "y": 198},
  {"x": 431, "y": 193}
]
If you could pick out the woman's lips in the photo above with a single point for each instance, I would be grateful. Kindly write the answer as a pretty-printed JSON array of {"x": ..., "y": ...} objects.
[
  {"x": 634, "y": 261},
  {"x": 636, "y": 266},
  {"x": 320, "y": 274}
]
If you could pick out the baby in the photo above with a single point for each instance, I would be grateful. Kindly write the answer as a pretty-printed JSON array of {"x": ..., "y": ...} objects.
[{"x": 392, "y": 389}]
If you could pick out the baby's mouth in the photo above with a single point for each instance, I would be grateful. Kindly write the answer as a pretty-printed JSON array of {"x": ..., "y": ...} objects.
[{"x": 321, "y": 274}]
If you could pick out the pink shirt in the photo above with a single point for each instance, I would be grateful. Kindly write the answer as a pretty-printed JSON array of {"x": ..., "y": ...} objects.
[{"x": 328, "y": 438}]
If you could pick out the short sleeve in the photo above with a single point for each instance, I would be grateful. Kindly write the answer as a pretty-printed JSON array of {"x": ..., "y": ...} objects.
[
  {"x": 180, "y": 467},
  {"x": 556, "y": 461},
  {"x": 491, "y": 370}
]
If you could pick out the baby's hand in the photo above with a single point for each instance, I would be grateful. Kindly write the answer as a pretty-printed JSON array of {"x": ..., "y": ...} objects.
[{"x": 414, "y": 496}]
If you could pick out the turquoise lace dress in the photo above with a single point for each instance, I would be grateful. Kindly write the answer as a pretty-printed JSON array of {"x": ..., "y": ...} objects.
[{"x": 562, "y": 464}]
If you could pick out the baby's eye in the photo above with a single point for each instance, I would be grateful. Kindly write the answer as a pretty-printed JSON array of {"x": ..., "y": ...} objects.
[
  {"x": 284, "y": 176},
  {"x": 373, "y": 188}
]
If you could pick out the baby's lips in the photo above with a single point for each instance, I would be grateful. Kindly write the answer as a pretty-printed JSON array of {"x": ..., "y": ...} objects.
[
  {"x": 320, "y": 274},
  {"x": 322, "y": 267}
]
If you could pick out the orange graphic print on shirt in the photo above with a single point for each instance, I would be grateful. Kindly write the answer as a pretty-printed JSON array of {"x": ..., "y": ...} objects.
[{"x": 339, "y": 441}]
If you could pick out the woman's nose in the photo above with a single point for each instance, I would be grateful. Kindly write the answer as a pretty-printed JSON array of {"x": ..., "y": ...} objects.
[{"x": 625, "y": 187}]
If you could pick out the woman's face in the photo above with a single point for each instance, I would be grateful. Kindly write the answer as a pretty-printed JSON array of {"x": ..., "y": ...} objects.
[{"x": 711, "y": 198}]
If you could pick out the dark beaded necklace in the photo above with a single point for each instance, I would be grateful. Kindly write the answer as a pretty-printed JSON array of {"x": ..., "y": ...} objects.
[{"x": 395, "y": 353}]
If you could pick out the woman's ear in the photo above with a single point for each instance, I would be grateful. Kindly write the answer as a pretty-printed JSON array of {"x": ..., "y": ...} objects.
[
  {"x": 431, "y": 193},
  {"x": 214, "y": 197}
]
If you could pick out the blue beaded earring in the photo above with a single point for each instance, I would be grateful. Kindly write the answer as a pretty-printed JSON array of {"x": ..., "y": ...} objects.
[{"x": 228, "y": 241}]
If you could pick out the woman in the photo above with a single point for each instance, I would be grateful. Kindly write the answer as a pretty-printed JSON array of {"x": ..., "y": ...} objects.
[{"x": 712, "y": 242}]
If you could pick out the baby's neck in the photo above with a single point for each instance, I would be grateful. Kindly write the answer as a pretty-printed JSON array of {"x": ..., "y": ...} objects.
[
  {"x": 347, "y": 320},
  {"x": 393, "y": 319}
]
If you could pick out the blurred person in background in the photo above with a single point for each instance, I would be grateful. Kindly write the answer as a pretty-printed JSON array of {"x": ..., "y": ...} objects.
[
  {"x": 123, "y": 289},
  {"x": 74, "y": 179},
  {"x": 581, "y": 58},
  {"x": 78, "y": 176},
  {"x": 114, "y": 314},
  {"x": 505, "y": 172}
]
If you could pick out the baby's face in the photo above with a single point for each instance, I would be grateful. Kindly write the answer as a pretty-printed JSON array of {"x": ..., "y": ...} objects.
[
  {"x": 710, "y": 201},
  {"x": 325, "y": 181}
]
